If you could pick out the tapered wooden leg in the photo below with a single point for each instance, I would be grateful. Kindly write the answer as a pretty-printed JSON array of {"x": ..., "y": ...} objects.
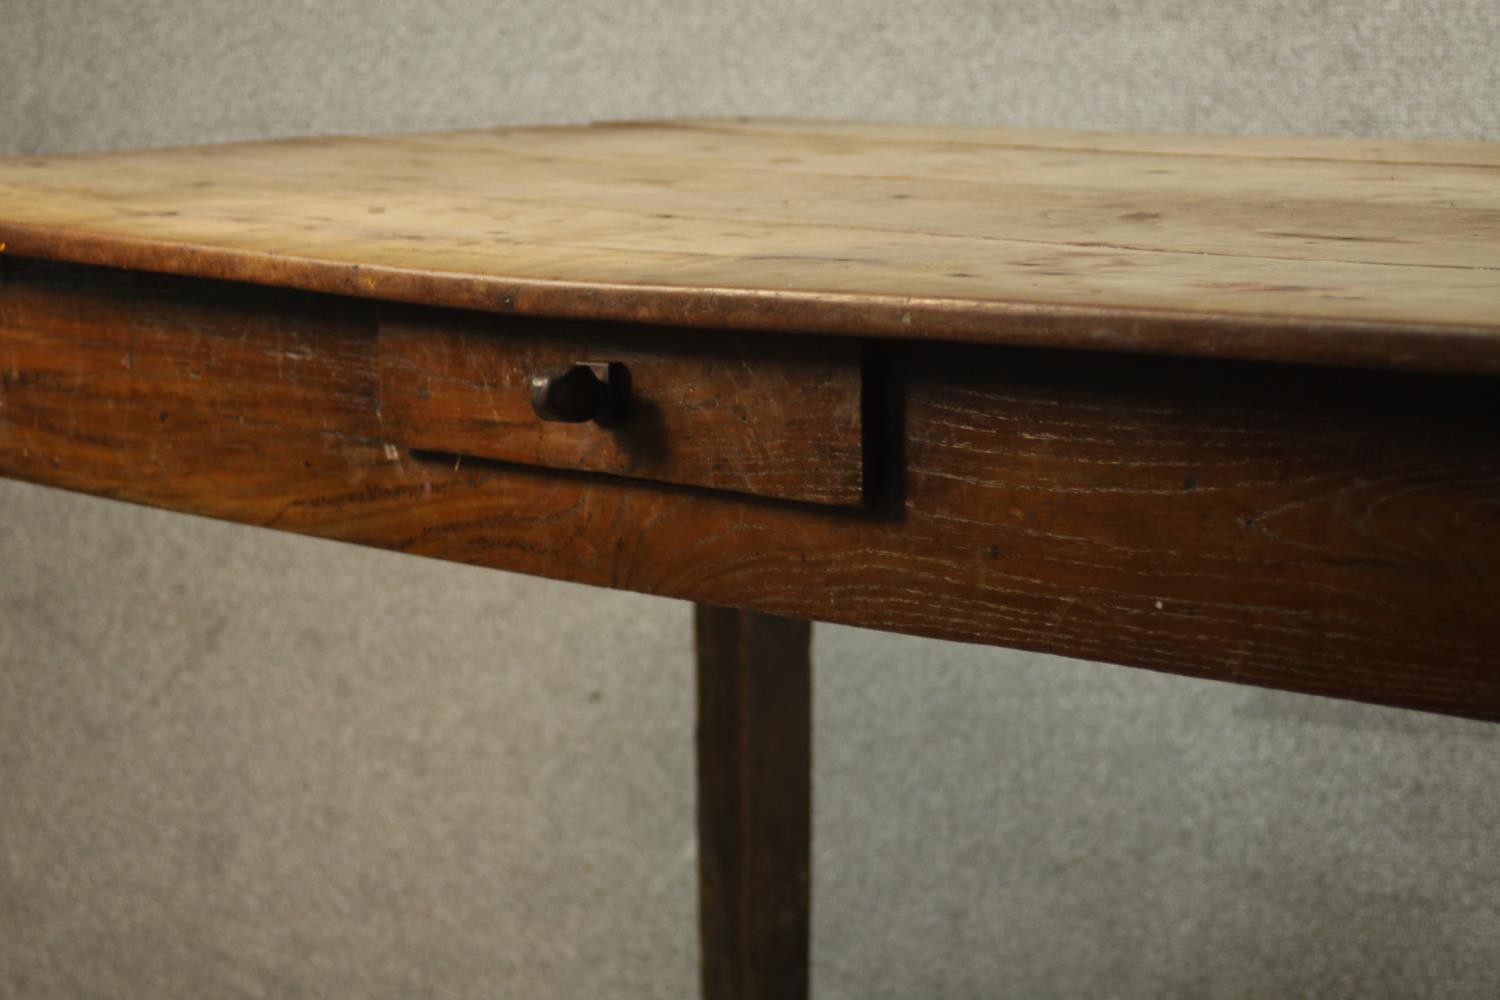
[{"x": 754, "y": 803}]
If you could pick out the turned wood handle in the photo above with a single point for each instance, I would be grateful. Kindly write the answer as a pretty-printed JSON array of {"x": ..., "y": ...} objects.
[{"x": 580, "y": 392}]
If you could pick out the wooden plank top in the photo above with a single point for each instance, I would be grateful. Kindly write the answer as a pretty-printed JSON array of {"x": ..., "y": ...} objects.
[{"x": 1341, "y": 251}]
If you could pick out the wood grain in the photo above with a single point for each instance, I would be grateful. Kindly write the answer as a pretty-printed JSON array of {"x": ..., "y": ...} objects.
[
  {"x": 754, "y": 736},
  {"x": 768, "y": 415},
  {"x": 1373, "y": 253},
  {"x": 1328, "y": 532}
]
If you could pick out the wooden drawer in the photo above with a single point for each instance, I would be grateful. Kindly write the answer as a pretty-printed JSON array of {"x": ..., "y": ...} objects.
[{"x": 771, "y": 415}]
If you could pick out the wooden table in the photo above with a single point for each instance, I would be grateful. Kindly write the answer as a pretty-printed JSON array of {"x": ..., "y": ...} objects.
[{"x": 1221, "y": 407}]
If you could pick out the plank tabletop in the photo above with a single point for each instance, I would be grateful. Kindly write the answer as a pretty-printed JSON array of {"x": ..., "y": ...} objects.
[{"x": 1378, "y": 253}]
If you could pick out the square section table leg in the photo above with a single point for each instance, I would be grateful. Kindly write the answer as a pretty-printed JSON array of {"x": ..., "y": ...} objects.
[{"x": 754, "y": 802}]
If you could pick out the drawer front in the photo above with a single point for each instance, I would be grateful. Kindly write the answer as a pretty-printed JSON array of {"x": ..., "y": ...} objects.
[{"x": 771, "y": 415}]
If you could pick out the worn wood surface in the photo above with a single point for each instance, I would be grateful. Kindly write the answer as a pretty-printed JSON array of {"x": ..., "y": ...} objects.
[
  {"x": 1322, "y": 531},
  {"x": 771, "y": 415},
  {"x": 1375, "y": 253},
  {"x": 754, "y": 803}
]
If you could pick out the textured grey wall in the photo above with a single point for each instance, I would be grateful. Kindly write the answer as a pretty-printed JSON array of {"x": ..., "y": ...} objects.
[{"x": 238, "y": 764}]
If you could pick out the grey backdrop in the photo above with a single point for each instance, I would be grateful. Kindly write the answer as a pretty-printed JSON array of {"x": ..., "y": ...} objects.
[{"x": 238, "y": 764}]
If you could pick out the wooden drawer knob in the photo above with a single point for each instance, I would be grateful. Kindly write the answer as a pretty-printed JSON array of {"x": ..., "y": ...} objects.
[{"x": 581, "y": 392}]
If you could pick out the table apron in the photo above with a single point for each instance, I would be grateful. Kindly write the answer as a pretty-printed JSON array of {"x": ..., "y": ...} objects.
[{"x": 1315, "y": 529}]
